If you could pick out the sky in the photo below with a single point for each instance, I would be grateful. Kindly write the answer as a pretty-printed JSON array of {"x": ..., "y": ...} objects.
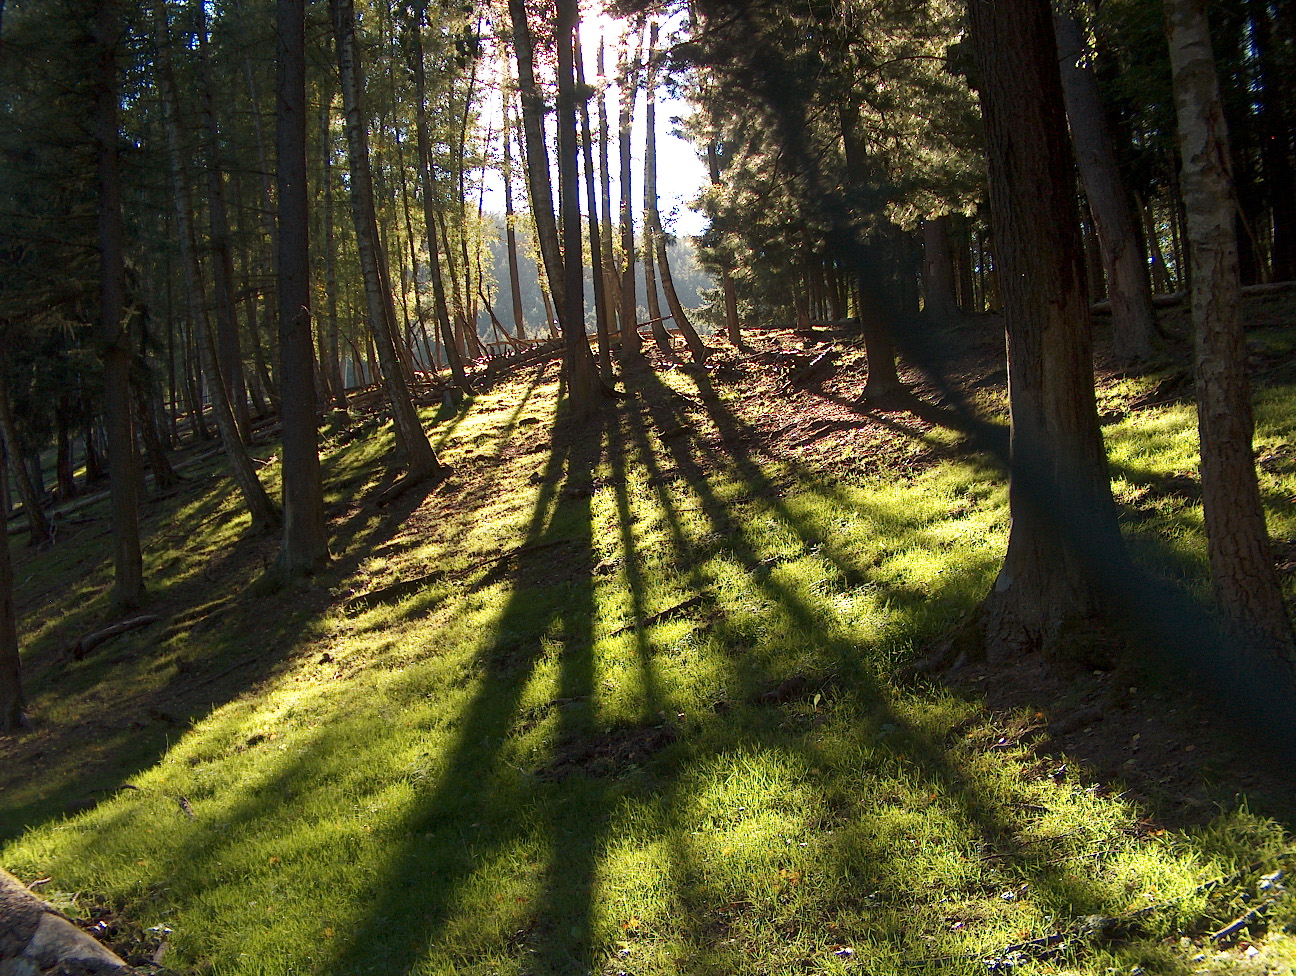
[{"x": 681, "y": 174}]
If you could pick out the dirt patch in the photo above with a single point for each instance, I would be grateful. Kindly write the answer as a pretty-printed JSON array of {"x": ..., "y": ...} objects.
[{"x": 610, "y": 752}]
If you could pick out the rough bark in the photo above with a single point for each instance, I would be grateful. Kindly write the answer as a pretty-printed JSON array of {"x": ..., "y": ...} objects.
[
  {"x": 1242, "y": 566},
  {"x": 113, "y": 337},
  {"x": 1110, "y": 202},
  {"x": 1063, "y": 520},
  {"x": 581, "y": 372},
  {"x": 421, "y": 461},
  {"x": 304, "y": 546}
]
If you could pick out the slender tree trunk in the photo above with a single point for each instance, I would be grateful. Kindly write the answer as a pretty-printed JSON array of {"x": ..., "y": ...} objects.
[
  {"x": 11, "y": 689},
  {"x": 424, "y": 148},
  {"x": 421, "y": 460},
  {"x": 63, "y": 449},
  {"x": 510, "y": 232},
  {"x": 37, "y": 524},
  {"x": 580, "y": 368},
  {"x": 660, "y": 336},
  {"x": 264, "y": 515},
  {"x": 330, "y": 258},
  {"x": 164, "y": 476},
  {"x": 1242, "y": 564},
  {"x": 602, "y": 309},
  {"x": 1063, "y": 517},
  {"x": 113, "y": 337},
  {"x": 631, "y": 346},
  {"x": 227, "y": 337},
  {"x": 606, "y": 262},
  {"x": 1133, "y": 320},
  {"x": 304, "y": 547},
  {"x": 733, "y": 328}
]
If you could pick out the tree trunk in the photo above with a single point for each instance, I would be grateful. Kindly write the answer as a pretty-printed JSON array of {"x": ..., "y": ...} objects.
[
  {"x": 938, "y": 271},
  {"x": 1242, "y": 566},
  {"x": 580, "y": 368},
  {"x": 304, "y": 548},
  {"x": 602, "y": 307},
  {"x": 510, "y": 232},
  {"x": 537, "y": 156},
  {"x": 660, "y": 336},
  {"x": 1133, "y": 321},
  {"x": 330, "y": 259},
  {"x": 227, "y": 337},
  {"x": 733, "y": 328},
  {"x": 606, "y": 261},
  {"x": 421, "y": 460},
  {"x": 631, "y": 347},
  {"x": 1063, "y": 518},
  {"x": 63, "y": 449},
  {"x": 38, "y": 525},
  {"x": 11, "y": 690},
  {"x": 113, "y": 337},
  {"x": 264, "y": 515},
  {"x": 164, "y": 476}
]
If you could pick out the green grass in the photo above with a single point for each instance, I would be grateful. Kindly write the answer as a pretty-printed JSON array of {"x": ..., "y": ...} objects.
[{"x": 503, "y": 773}]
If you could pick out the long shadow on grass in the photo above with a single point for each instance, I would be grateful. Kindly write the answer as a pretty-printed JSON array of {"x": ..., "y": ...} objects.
[
  {"x": 927, "y": 760},
  {"x": 479, "y": 804}
]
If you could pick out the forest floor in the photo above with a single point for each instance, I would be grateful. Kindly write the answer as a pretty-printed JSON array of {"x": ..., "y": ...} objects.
[{"x": 672, "y": 689}]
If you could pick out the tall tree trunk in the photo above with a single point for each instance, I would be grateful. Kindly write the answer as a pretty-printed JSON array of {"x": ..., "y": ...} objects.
[
  {"x": 627, "y": 70},
  {"x": 602, "y": 307},
  {"x": 1133, "y": 320},
  {"x": 421, "y": 460},
  {"x": 330, "y": 261},
  {"x": 1242, "y": 565},
  {"x": 606, "y": 262},
  {"x": 63, "y": 448},
  {"x": 510, "y": 232},
  {"x": 424, "y": 148},
  {"x": 733, "y": 328},
  {"x": 164, "y": 476},
  {"x": 264, "y": 515},
  {"x": 580, "y": 369},
  {"x": 1063, "y": 517},
  {"x": 537, "y": 156},
  {"x": 227, "y": 337},
  {"x": 113, "y": 337},
  {"x": 660, "y": 336},
  {"x": 304, "y": 547}
]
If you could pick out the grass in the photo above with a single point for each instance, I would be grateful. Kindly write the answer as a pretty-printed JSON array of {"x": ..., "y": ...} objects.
[{"x": 508, "y": 771}]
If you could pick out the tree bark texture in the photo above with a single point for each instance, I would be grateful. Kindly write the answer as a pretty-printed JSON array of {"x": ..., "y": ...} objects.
[
  {"x": 113, "y": 337},
  {"x": 304, "y": 546},
  {"x": 938, "y": 271},
  {"x": 1242, "y": 565},
  {"x": 421, "y": 461},
  {"x": 1063, "y": 524},
  {"x": 1110, "y": 202}
]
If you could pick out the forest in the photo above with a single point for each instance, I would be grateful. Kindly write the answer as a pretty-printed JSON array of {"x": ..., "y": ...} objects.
[{"x": 425, "y": 554}]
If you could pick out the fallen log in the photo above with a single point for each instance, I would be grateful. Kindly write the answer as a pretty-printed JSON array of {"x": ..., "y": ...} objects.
[
  {"x": 89, "y": 642},
  {"x": 36, "y": 938},
  {"x": 1179, "y": 297}
]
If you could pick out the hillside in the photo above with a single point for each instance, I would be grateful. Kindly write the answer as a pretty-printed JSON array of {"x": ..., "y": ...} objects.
[{"x": 653, "y": 694}]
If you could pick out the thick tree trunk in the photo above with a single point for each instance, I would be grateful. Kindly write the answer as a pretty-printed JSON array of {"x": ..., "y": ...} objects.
[
  {"x": 304, "y": 548},
  {"x": 1133, "y": 321},
  {"x": 423, "y": 146},
  {"x": 1063, "y": 518},
  {"x": 264, "y": 515},
  {"x": 938, "y": 271},
  {"x": 1242, "y": 565},
  {"x": 113, "y": 337},
  {"x": 537, "y": 157},
  {"x": 420, "y": 459},
  {"x": 581, "y": 372}
]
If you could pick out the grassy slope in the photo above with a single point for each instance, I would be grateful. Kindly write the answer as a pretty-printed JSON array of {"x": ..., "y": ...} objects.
[{"x": 501, "y": 773}]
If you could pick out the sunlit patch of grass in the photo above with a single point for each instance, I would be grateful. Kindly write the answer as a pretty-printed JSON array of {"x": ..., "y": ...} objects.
[{"x": 647, "y": 724}]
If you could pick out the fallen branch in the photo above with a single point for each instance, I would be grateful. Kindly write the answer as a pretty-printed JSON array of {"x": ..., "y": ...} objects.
[
  {"x": 661, "y": 615},
  {"x": 88, "y": 643}
]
